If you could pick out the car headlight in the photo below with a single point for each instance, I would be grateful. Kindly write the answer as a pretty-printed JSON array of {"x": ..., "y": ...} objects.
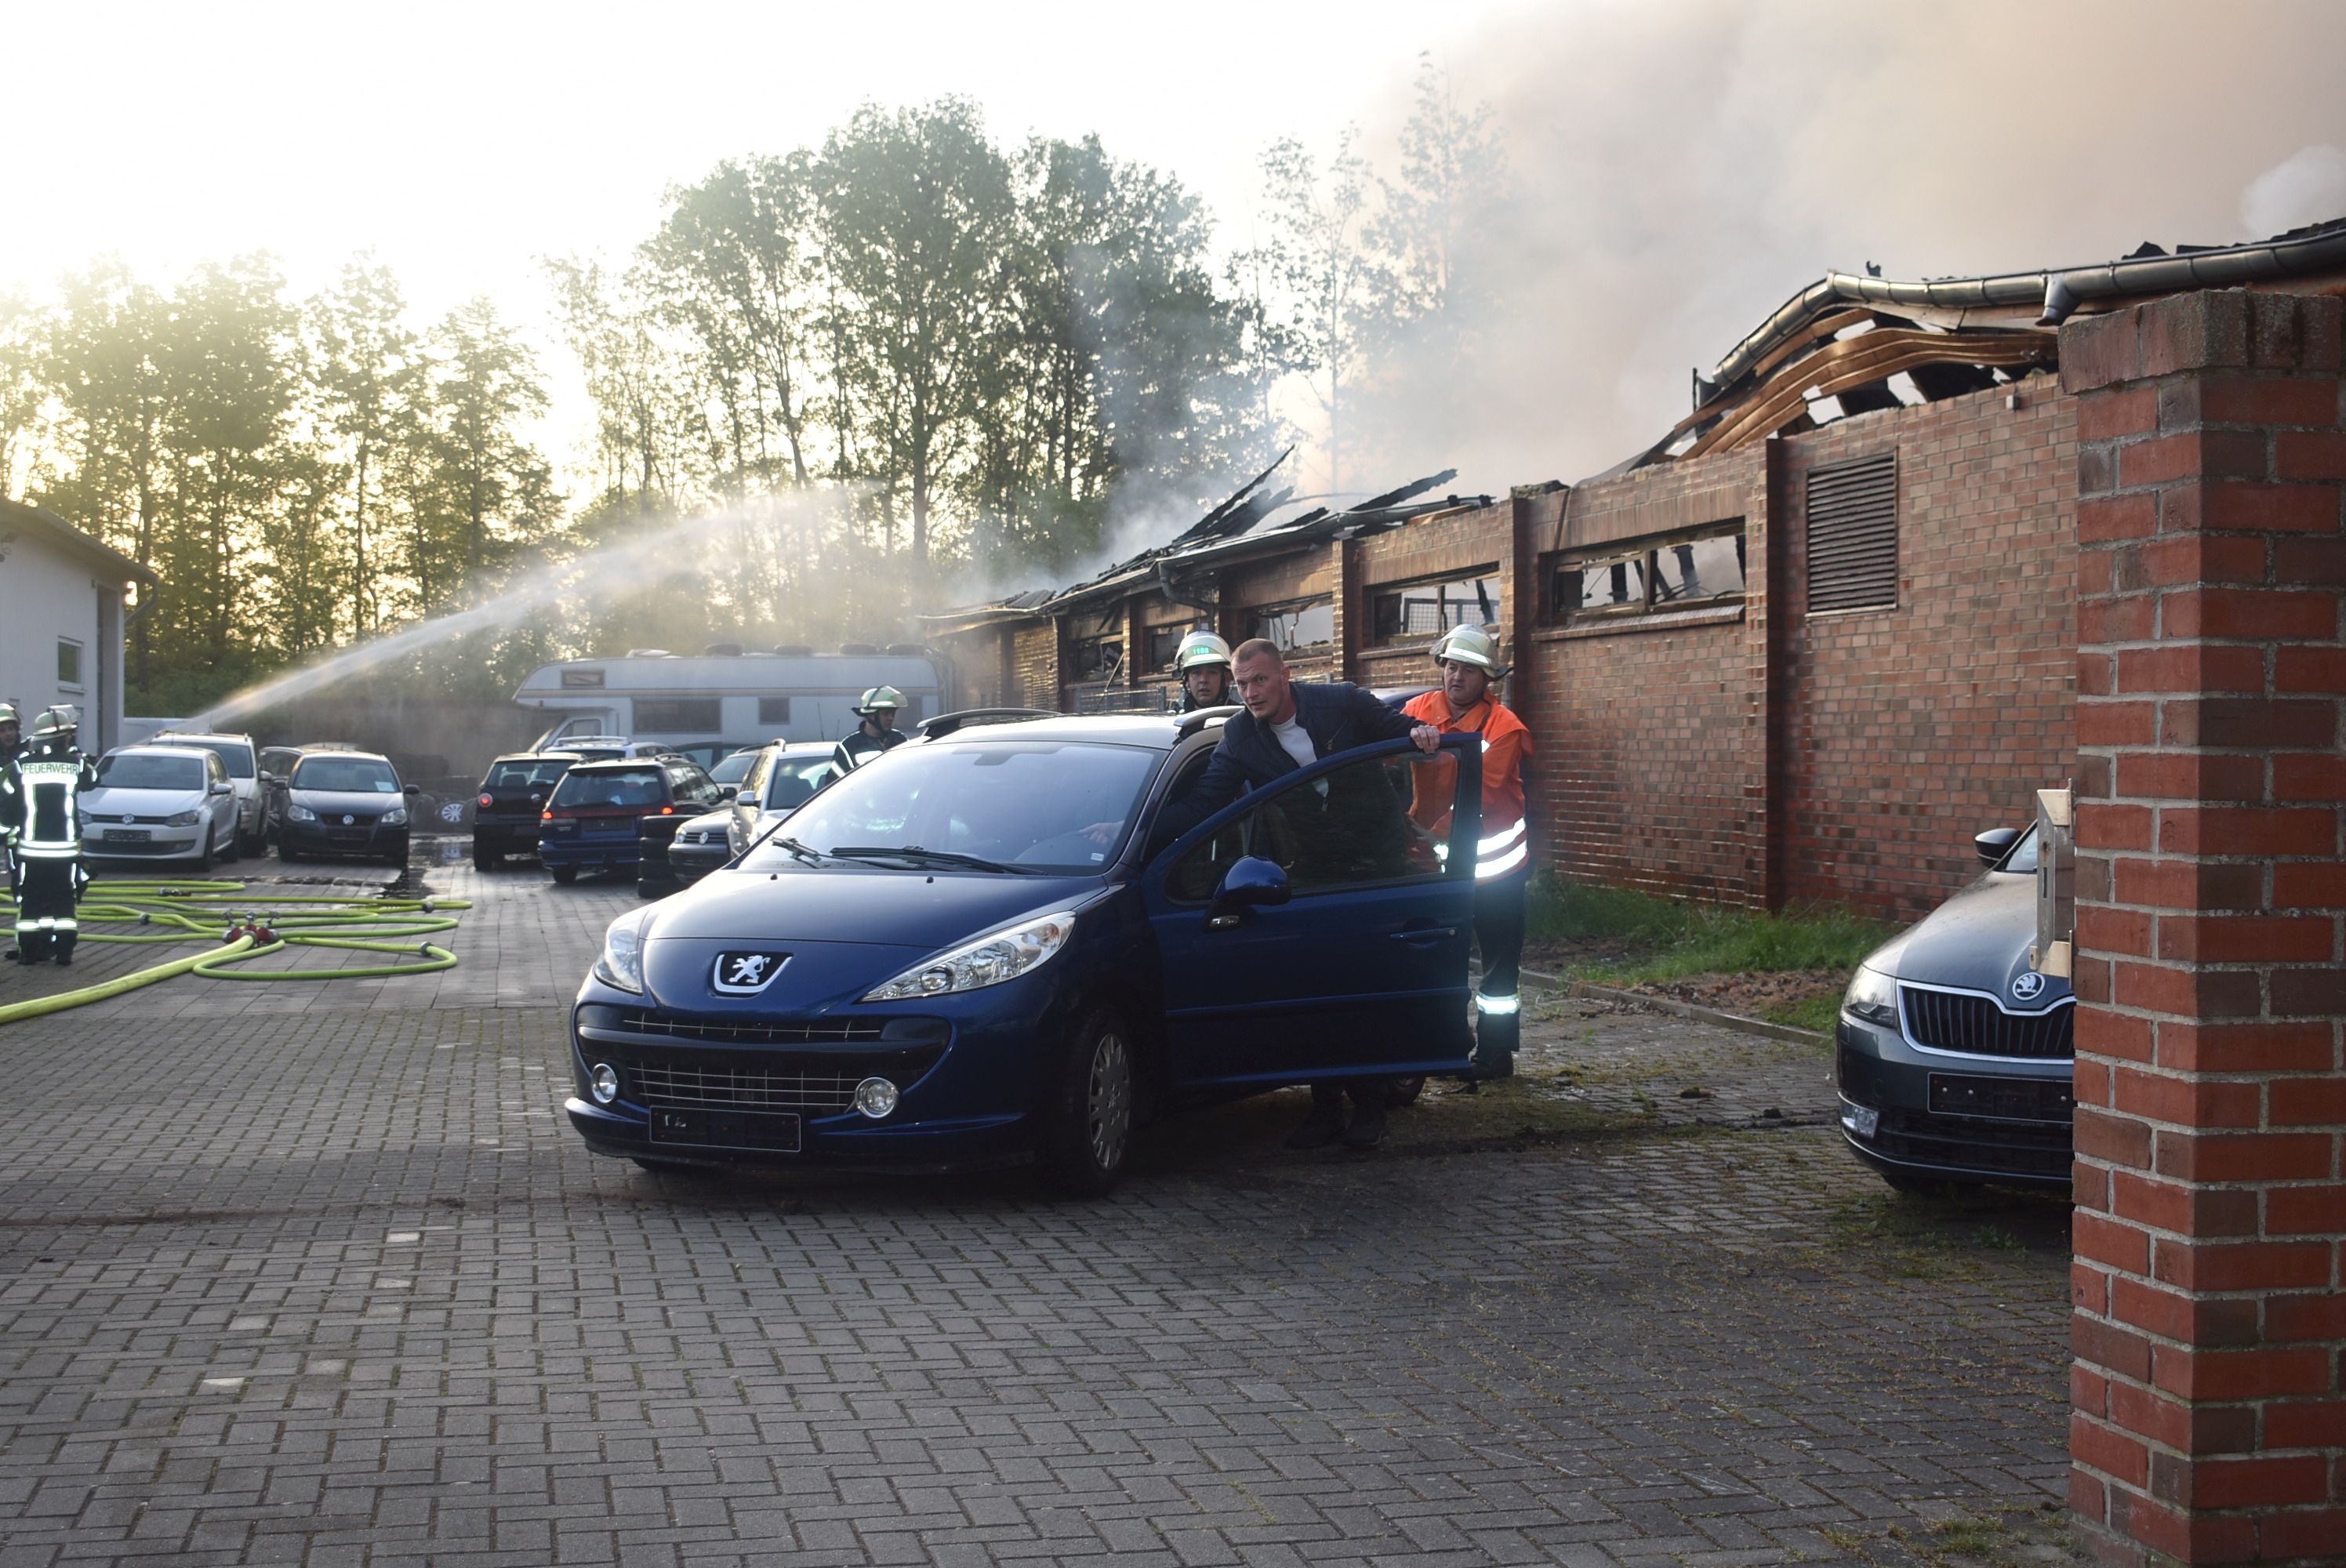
[
  {"x": 1004, "y": 955},
  {"x": 183, "y": 818},
  {"x": 622, "y": 963},
  {"x": 1873, "y": 996},
  {"x": 301, "y": 814},
  {"x": 396, "y": 818}
]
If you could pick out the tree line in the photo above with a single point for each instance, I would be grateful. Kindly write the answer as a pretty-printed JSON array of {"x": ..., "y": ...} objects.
[{"x": 879, "y": 359}]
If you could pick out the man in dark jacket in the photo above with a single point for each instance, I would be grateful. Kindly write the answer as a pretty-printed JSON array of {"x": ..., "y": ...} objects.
[{"x": 1285, "y": 727}]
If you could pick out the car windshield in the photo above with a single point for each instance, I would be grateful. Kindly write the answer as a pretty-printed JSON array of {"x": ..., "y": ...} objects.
[
  {"x": 734, "y": 768},
  {"x": 235, "y": 754},
  {"x": 526, "y": 775},
  {"x": 611, "y": 787},
  {"x": 151, "y": 772},
  {"x": 2021, "y": 859},
  {"x": 794, "y": 780},
  {"x": 1038, "y": 805},
  {"x": 345, "y": 776}
]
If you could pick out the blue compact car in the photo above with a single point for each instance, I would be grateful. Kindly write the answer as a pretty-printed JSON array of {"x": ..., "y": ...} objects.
[{"x": 975, "y": 951}]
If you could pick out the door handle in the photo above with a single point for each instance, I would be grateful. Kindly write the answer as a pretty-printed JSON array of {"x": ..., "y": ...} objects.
[
  {"x": 1425, "y": 933},
  {"x": 1222, "y": 922}
]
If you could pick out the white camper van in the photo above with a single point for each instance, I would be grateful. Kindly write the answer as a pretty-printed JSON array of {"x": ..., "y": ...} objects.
[{"x": 714, "y": 704}]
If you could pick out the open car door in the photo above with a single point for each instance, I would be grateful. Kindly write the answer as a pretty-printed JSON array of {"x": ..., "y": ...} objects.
[{"x": 1319, "y": 928}]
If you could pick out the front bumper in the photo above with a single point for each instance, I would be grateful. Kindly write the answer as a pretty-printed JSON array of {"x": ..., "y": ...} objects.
[
  {"x": 161, "y": 844},
  {"x": 692, "y": 862},
  {"x": 370, "y": 839},
  {"x": 1946, "y": 1115}
]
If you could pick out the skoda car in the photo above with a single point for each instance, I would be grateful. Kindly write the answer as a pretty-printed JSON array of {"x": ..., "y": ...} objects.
[
  {"x": 158, "y": 803},
  {"x": 979, "y": 950},
  {"x": 1952, "y": 1054},
  {"x": 345, "y": 803}
]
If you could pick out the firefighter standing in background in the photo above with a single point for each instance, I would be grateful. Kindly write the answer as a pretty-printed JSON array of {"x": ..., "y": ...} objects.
[
  {"x": 877, "y": 733},
  {"x": 1203, "y": 664},
  {"x": 51, "y": 774},
  {"x": 1468, "y": 658},
  {"x": 11, "y": 794}
]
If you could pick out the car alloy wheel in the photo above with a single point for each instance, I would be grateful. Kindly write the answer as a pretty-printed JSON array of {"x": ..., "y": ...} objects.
[{"x": 1109, "y": 1102}]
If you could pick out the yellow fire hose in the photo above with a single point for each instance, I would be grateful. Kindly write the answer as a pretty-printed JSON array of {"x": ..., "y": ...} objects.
[{"x": 245, "y": 928}]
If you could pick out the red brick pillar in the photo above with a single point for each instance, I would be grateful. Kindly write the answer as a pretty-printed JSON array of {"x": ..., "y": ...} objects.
[{"x": 2209, "y": 1320}]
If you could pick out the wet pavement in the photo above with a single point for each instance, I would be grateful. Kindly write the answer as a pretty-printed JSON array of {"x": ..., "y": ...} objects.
[{"x": 316, "y": 1273}]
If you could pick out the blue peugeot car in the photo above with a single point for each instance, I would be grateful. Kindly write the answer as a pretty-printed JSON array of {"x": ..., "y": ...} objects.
[{"x": 977, "y": 951}]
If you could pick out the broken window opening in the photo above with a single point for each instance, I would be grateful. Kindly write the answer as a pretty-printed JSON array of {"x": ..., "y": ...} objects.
[
  {"x": 1704, "y": 567},
  {"x": 1426, "y": 610},
  {"x": 1297, "y": 626}
]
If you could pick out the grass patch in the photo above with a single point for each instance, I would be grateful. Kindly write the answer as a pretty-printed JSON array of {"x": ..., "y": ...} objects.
[
  {"x": 1815, "y": 1014},
  {"x": 1637, "y": 939}
]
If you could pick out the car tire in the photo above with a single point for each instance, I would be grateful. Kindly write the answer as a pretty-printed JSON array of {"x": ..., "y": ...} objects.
[
  {"x": 235, "y": 850},
  {"x": 486, "y": 860},
  {"x": 1403, "y": 1091},
  {"x": 566, "y": 875},
  {"x": 204, "y": 861},
  {"x": 1086, "y": 1136}
]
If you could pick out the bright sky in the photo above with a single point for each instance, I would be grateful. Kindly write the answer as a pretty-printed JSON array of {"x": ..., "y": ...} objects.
[{"x": 462, "y": 142}]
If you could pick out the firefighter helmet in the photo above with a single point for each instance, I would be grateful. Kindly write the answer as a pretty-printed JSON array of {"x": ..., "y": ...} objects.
[
  {"x": 56, "y": 721},
  {"x": 1199, "y": 649},
  {"x": 879, "y": 698},
  {"x": 1470, "y": 645},
  {"x": 8, "y": 713}
]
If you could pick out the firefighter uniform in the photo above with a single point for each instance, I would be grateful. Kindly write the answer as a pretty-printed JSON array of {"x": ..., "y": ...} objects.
[
  {"x": 51, "y": 774},
  {"x": 11, "y": 794},
  {"x": 878, "y": 710},
  {"x": 1503, "y": 850}
]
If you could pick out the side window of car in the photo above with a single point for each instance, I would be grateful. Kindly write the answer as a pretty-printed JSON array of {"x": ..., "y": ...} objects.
[
  {"x": 753, "y": 783},
  {"x": 1378, "y": 820}
]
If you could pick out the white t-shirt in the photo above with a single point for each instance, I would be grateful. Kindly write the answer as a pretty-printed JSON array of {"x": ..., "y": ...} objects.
[{"x": 1296, "y": 741}]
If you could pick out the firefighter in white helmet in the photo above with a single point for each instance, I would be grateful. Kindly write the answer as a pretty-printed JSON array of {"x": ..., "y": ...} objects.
[
  {"x": 1203, "y": 664},
  {"x": 877, "y": 733},
  {"x": 1468, "y": 657},
  {"x": 51, "y": 774}
]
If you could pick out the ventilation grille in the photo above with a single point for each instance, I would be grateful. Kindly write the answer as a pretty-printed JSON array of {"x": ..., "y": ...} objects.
[{"x": 1853, "y": 535}]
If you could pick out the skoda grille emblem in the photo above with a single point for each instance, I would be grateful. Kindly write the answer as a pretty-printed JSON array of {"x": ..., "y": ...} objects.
[
  {"x": 2026, "y": 987},
  {"x": 745, "y": 973}
]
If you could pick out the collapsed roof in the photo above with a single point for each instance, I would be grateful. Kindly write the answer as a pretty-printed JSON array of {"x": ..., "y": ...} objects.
[{"x": 1843, "y": 344}]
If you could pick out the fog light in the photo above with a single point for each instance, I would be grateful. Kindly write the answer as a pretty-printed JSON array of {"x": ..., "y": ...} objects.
[
  {"x": 1862, "y": 1120},
  {"x": 603, "y": 1082},
  {"x": 875, "y": 1097}
]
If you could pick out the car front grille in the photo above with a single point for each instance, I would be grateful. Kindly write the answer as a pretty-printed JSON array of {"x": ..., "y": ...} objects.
[
  {"x": 699, "y": 836},
  {"x": 115, "y": 820},
  {"x": 2039, "y": 1150},
  {"x": 817, "y": 1083},
  {"x": 748, "y": 1031},
  {"x": 1954, "y": 1020}
]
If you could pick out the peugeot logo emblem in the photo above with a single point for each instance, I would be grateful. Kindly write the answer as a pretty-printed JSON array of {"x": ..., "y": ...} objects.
[
  {"x": 2025, "y": 985},
  {"x": 745, "y": 973}
]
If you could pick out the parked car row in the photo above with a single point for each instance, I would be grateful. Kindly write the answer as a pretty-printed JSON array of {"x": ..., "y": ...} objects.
[{"x": 201, "y": 798}]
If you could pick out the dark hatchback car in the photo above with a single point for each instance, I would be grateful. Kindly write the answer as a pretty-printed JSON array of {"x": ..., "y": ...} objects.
[
  {"x": 513, "y": 796},
  {"x": 345, "y": 803},
  {"x": 973, "y": 952},
  {"x": 1954, "y": 1056},
  {"x": 594, "y": 817}
]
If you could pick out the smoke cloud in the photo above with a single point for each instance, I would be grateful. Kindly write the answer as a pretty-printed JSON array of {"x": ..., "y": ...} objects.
[{"x": 1679, "y": 170}]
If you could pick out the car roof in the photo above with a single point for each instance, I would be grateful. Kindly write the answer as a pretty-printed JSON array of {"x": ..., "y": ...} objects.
[
  {"x": 608, "y": 764},
  {"x": 151, "y": 747},
  {"x": 350, "y": 756},
  {"x": 165, "y": 737},
  {"x": 1158, "y": 732},
  {"x": 557, "y": 755}
]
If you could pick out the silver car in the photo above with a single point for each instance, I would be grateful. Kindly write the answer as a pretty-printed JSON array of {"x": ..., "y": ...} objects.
[
  {"x": 780, "y": 779},
  {"x": 241, "y": 758},
  {"x": 159, "y": 803}
]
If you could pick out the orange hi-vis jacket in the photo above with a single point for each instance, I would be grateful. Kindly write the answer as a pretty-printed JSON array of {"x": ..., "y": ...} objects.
[{"x": 1504, "y": 843}]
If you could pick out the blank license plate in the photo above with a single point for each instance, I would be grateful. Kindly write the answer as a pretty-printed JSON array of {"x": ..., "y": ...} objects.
[
  {"x": 128, "y": 836},
  {"x": 2001, "y": 1099},
  {"x": 772, "y": 1131}
]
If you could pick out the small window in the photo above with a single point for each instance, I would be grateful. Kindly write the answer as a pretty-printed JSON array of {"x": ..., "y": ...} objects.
[
  {"x": 68, "y": 662},
  {"x": 1697, "y": 571},
  {"x": 1691, "y": 571},
  {"x": 1096, "y": 645},
  {"x": 1614, "y": 584},
  {"x": 582, "y": 680},
  {"x": 1852, "y": 517},
  {"x": 773, "y": 710},
  {"x": 679, "y": 715},
  {"x": 1164, "y": 642},
  {"x": 1305, "y": 624},
  {"x": 1426, "y": 610}
]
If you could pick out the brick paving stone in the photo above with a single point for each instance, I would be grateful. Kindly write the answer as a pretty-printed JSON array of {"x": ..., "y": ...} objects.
[{"x": 318, "y": 1274}]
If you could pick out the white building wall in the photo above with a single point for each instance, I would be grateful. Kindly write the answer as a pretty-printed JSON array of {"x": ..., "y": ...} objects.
[{"x": 47, "y": 598}]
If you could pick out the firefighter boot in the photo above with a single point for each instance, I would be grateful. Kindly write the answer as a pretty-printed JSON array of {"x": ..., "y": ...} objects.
[
  {"x": 1497, "y": 1028},
  {"x": 1325, "y": 1124},
  {"x": 1368, "y": 1129}
]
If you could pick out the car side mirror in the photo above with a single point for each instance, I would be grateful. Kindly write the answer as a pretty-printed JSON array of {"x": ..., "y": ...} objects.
[
  {"x": 219, "y": 788},
  {"x": 1993, "y": 844},
  {"x": 268, "y": 778},
  {"x": 728, "y": 792},
  {"x": 1252, "y": 883}
]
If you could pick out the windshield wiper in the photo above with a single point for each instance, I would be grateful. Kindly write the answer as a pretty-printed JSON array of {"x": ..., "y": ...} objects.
[
  {"x": 915, "y": 853},
  {"x": 805, "y": 852}
]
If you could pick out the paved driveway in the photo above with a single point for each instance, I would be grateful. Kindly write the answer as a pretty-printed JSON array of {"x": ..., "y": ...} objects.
[{"x": 317, "y": 1274}]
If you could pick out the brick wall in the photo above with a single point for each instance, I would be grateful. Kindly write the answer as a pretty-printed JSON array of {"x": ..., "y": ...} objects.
[
  {"x": 2210, "y": 1290},
  {"x": 1034, "y": 661},
  {"x": 1442, "y": 544},
  {"x": 1652, "y": 754},
  {"x": 1905, "y": 732}
]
